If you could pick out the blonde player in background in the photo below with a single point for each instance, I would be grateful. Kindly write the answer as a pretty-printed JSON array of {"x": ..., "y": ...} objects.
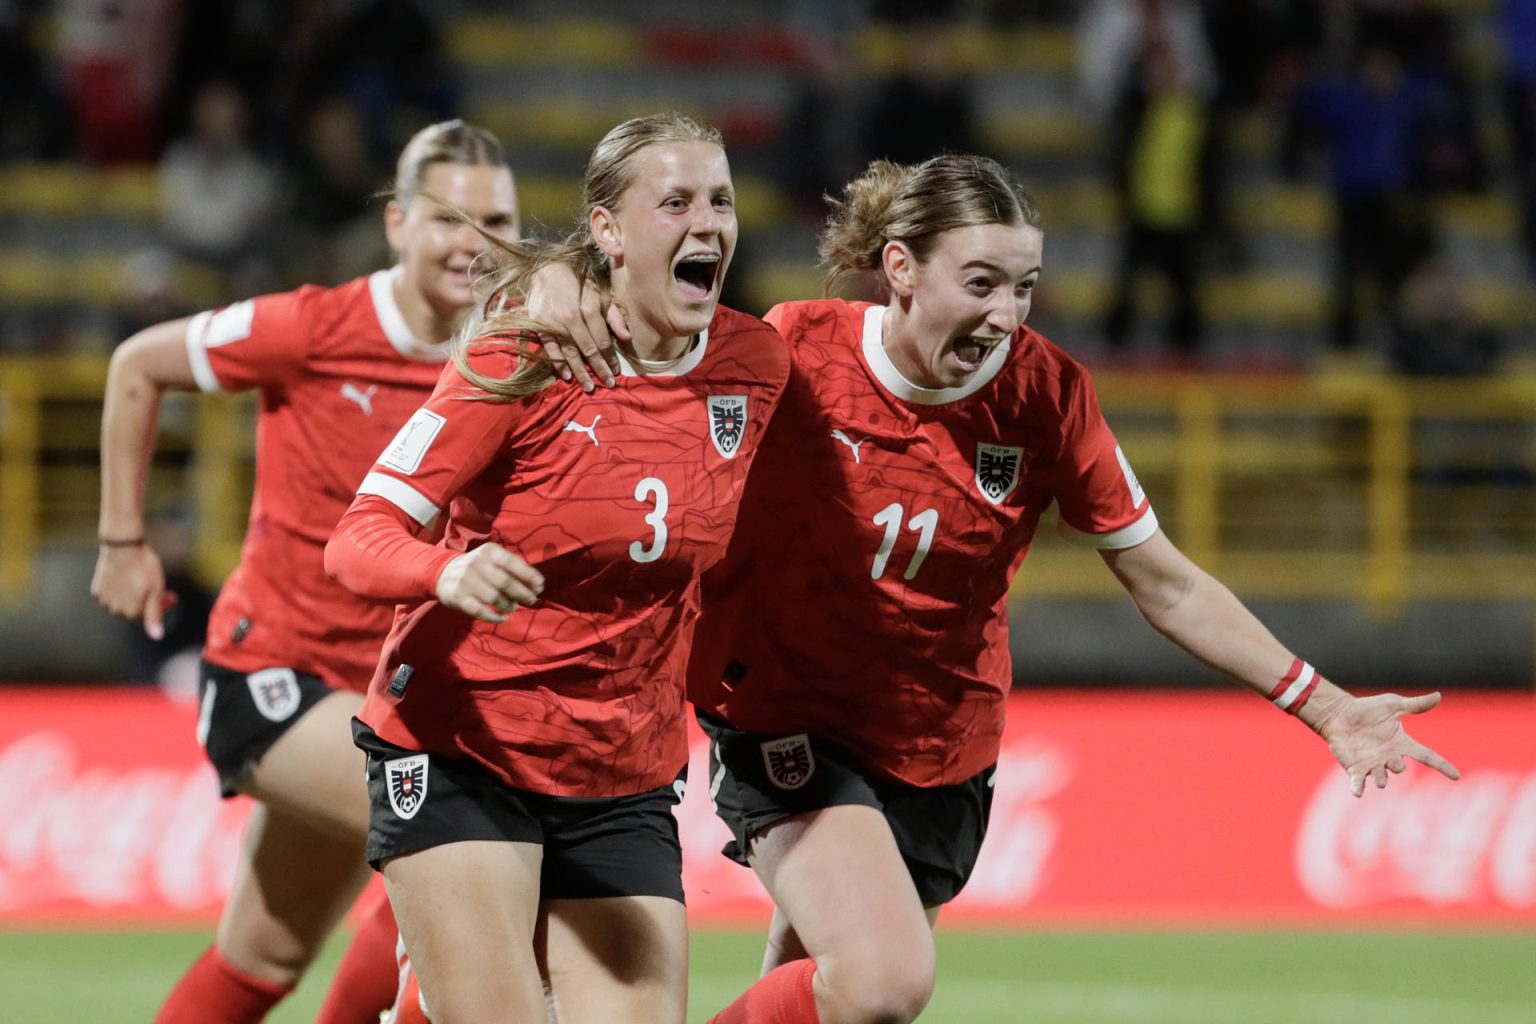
[{"x": 288, "y": 651}]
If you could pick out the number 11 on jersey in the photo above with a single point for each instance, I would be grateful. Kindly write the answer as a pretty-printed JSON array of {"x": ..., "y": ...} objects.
[{"x": 925, "y": 523}]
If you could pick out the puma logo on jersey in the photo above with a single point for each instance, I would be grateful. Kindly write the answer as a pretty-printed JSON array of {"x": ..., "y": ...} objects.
[
  {"x": 589, "y": 431},
  {"x": 364, "y": 399},
  {"x": 853, "y": 445}
]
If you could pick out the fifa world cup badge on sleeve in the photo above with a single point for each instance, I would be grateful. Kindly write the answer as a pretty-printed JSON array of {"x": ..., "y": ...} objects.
[
  {"x": 789, "y": 761},
  {"x": 406, "y": 780},
  {"x": 727, "y": 423}
]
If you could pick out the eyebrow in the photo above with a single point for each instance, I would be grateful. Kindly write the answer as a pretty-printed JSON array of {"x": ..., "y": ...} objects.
[{"x": 989, "y": 265}]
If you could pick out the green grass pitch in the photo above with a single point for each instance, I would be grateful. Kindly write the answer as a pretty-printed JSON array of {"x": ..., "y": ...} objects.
[{"x": 985, "y": 977}]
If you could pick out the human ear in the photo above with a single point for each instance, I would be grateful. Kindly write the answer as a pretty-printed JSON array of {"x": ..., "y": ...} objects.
[
  {"x": 394, "y": 225},
  {"x": 900, "y": 266},
  {"x": 603, "y": 225}
]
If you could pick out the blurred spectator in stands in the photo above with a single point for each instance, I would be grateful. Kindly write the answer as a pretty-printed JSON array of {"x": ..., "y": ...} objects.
[
  {"x": 34, "y": 113},
  {"x": 388, "y": 57},
  {"x": 1435, "y": 332},
  {"x": 1517, "y": 35},
  {"x": 242, "y": 42},
  {"x": 1448, "y": 151},
  {"x": 150, "y": 292},
  {"x": 1148, "y": 65},
  {"x": 1368, "y": 116},
  {"x": 924, "y": 107},
  {"x": 116, "y": 60},
  {"x": 818, "y": 148},
  {"x": 331, "y": 178},
  {"x": 217, "y": 195},
  {"x": 1258, "y": 48}
]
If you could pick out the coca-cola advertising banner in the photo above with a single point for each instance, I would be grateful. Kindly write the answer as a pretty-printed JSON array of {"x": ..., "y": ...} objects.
[{"x": 1108, "y": 808}]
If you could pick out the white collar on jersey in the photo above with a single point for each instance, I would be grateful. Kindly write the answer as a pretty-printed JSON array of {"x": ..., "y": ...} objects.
[
  {"x": 693, "y": 357},
  {"x": 891, "y": 379},
  {"x": 381, "y": 285}
]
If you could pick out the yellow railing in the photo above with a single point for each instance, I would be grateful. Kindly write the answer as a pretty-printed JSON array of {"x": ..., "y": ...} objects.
[
  {"x": 1358, "y": 486},
  {"x": 50, "y": 425},
  {"x": 1329, "y": 485}
]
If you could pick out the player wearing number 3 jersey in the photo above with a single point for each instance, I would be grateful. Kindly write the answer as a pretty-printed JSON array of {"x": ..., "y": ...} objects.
[{"x": 525, "y": 731}]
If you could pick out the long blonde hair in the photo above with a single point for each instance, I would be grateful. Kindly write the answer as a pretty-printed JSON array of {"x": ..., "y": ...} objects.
[
  {"x": 915, "y": 204},
  {"x": 513, "y": 265}
]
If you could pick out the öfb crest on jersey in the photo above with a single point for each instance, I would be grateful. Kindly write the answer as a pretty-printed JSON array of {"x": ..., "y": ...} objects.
[
  {"x": 406, "y": 780},
  {"x": 997, "y": 470},
  {"x": 727, "y": 422}
]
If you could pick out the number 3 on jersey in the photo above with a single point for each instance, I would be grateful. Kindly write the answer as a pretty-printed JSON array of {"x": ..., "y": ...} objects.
[
  {"x": 652, "y": 489},
  {"x": 925, "y": 523}
]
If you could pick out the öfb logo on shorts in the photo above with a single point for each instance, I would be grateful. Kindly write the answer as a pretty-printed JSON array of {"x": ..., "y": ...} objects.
[
  {"x": 275, "y": 692},
  {"x": 406, "y": 780},
  {"x": 789, "y": 761}
]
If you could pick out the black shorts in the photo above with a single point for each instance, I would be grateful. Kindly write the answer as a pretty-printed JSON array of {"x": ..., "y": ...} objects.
[
  {"x": 241, "y": 714},
  {"x": 767, "y": 778},
  {"x": 593, "y": 846}
]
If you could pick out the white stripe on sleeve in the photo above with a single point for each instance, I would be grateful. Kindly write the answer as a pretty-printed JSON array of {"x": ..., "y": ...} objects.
[
  {"x": 1125, "y": 537},
  {"x": 197, "y": 354},
  {"x": 401, "y": 495}
]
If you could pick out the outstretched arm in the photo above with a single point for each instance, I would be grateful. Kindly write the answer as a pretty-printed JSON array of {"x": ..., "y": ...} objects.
[
  {"x": 129, "y": 580},
  {"x": 1195, "y": 611}
]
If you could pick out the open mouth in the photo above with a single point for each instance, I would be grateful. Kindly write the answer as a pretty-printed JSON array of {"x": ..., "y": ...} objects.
[
  {"x": 696, "y": 274},
  {"x": 971, "y": 351}
]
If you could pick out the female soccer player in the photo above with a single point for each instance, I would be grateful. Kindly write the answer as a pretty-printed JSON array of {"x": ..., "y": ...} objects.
[
  {"x": 525, "y": 729},
  {"x": 288, "y": 651},
  {"x": 851, "y": 667}
]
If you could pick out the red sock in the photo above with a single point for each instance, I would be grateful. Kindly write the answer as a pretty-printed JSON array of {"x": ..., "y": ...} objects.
[
  {"x": 215, "y": 992},
  {"x": 782, "y": 996},
  {"x": 365, "y": 982}
]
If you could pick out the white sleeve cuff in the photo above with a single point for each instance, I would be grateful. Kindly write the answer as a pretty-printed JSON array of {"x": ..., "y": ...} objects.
[
  {"x": 1125, "y": 537},
  {"x": 401, "y": 495},
  {"x": 197, "y": 354}
]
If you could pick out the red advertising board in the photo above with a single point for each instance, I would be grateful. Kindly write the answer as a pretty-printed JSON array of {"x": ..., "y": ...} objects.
[{"x": 1109, "y": 808}]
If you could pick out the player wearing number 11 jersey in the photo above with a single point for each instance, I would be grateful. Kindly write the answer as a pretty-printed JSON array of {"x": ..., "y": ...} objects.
[
  {"x": 852, "y": 664},
  {"x": 886, "y": 520}
]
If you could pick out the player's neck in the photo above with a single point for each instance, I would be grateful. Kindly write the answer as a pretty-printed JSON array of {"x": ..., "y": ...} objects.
[
  {"x": 654, "y": 351},
  {"x": 425, "y": 321},
  {"x": 902, "y": 349}
]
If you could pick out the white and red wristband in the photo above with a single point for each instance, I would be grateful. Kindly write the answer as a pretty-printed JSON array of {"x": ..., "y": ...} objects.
[{"x": 1295, "y": 687}]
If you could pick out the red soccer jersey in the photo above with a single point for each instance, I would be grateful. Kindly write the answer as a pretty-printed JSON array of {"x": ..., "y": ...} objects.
[
  {"x": 864, "y": 598},
  {"x": 338, "y": 371},
  {"x": 620, "y": 498}
]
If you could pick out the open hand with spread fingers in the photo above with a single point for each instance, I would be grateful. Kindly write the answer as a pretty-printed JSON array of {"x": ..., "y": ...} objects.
[
  {"x": 1367, "y": 737},
  {"x": 488, "y": 583},
  {"x": 576, "y": 306}
]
